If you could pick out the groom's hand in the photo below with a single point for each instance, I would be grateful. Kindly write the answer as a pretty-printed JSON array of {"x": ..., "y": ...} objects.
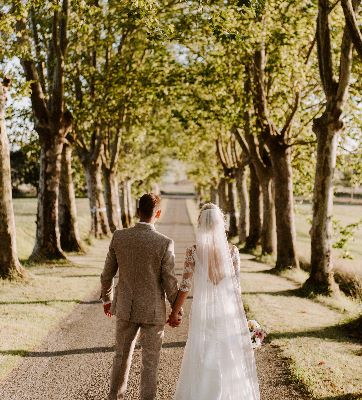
[
  {"x": 174, "y": 320},
  {"x": 107, "y": 309}
]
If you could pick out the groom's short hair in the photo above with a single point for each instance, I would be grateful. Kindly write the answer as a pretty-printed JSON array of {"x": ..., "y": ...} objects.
[{"x": 148, "y": 203}]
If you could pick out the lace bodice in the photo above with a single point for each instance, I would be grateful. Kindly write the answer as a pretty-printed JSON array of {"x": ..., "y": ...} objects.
[{"x": 189, "y": 266}]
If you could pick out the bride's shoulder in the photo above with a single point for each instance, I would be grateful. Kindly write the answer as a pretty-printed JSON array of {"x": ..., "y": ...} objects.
[{"x": 233, "y": 248}]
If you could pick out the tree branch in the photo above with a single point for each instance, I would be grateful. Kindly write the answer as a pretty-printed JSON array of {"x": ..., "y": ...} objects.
[
  {"x": 345, "y": 66},
  {"x": 63, "y": 40},
  {"x": 241, "y": 140},
  {"x": 302, "y": 143},
  {"x": 56, "y": 98},
  {"x": 291, "y": 116},
  {"x": 324, "y": 49},
  {"x": 220, "y": 156},
  {"x": 39, "y": 64},
  {"x": 349, "y": 11},
  {"x": 39, "y": 106}
]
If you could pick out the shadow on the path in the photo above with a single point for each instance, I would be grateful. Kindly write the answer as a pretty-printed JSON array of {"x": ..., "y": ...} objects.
[
  {"x": 348, "y": 396},
  {"x": 331, "y": 332},
  {"x": 173, "y": 345},
  {"x": 258, "y": 271},
  {"x": 78, "y": 265},
  {"x": 47, "y": 302},
  {"x": 168, "y": 345},
  {"x": 58, "y": 353},
  {"x": 86, "y": 350},
  {"x": 81, "y": 276},
  {"x": 289, "y": 293}
]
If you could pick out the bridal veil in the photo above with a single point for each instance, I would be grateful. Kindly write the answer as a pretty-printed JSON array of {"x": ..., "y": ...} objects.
[{"x": 218, "y": 362}]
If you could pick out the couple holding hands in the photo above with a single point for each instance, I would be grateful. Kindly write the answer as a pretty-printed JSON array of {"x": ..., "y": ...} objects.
[{"x": 218, "y": 361}]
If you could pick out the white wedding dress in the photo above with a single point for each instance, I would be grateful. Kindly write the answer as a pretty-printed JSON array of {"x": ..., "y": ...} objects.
[{"x": 218, "y": 362}]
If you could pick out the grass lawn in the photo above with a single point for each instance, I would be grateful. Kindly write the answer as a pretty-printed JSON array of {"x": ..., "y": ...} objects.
[
  {"x": 28, "y": 311},
  {"x": 325, "y": 358}
]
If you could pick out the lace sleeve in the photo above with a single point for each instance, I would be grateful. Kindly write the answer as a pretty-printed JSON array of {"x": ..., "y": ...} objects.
[
  {"x": 189, "y": 268},
  {"x": 235, "y": 257}
]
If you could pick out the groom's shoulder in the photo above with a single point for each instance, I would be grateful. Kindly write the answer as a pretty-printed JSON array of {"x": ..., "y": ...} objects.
[
  {"x": 121, "y": 233},
  {"x": 162, "y": 237},
  {"x": 124, "y": 232}
]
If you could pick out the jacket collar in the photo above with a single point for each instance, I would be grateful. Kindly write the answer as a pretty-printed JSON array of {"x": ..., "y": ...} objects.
[{"x": 145, "y": 226}]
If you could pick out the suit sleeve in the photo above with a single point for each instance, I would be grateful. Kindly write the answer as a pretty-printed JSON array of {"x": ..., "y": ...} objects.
[
  {"x": 168, "y": 277},
  {"x": 109, "y": 271}
]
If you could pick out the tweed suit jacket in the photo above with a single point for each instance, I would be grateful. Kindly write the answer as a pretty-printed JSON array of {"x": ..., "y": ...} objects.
[{"x": 145, "y": 261}]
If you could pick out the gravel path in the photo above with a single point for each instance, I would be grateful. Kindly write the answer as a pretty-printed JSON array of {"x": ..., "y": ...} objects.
[{"x": 74, "y": 362}]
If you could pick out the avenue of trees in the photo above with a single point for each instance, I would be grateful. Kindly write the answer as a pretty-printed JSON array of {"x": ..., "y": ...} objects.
[{"x": 260, "y": 99}]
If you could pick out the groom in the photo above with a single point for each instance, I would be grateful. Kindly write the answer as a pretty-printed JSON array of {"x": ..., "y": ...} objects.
[{"x": 145, "y": 260}]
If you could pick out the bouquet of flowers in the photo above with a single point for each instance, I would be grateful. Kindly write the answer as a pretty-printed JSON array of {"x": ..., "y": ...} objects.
[{"x": 257, "y": 333}]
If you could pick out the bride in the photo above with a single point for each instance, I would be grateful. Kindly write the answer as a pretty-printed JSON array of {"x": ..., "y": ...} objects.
[{"x": 218, "y": 363}]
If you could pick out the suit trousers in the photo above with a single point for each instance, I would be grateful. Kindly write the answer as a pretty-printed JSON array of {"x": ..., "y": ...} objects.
[{"x": 151, "y": 337}]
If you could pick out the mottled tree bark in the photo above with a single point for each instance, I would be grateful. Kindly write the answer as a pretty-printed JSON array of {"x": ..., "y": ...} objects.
[
  {"x": 221, "y": 190},
  {"x": 231, "y": 209},
  {"x": 242, "y": 190},
  {"x": 93, "y": 174},
  {"x": 127, "y": 212},
  {"x": 327, "y": 128},
  {"x": 284, "y": 205},
  {"x": 255, "y": 197},
  {"x": 47, "y": 243},
  {"x": 68, "y": 224},
  {"x": 268, "y": 240},
  {"x": 264, "y": 174},
  {"x": 10, "y": 266},
  {"x": 130, "y": 202},
  {"x": 52, "y": 122},
  {"x": 277, "y": 141},
  {"x": 111, "y": 195},
  {"x": 321, "y": 276},
  {"x": 214, "y": 195}
]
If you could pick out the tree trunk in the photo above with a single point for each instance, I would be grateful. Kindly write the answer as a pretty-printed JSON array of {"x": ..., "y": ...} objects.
[
  {"x": 126, "y": 204},
  {"x": 231, "y": 209},
  {"x": 99, "y": 221},
  {"x": 268, "y": 226},
  {"x": 130, "y": 203},
  {"x": 284, "y": 205},
  {"x": 321, "y": 277},
  {"x": 254, "y": 236},
  {"x": 213, "y": 195},
  {"x": 327, "y": 128},
  {"x": 68, "y": 225},
  {"x": 221, "y": 190},
  {"x": 111, "y": 194},
  {"x": 242, "y": 190},
  {"x": 52, "y": 122},
  {"x": 47, "y": 242},
  {"x": 9, "y": 263}
]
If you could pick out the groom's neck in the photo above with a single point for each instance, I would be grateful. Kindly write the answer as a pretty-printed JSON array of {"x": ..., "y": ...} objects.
[{"x": 147, "y": 220}]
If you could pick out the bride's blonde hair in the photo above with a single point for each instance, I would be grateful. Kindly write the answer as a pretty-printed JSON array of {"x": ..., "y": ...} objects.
[{"x": 215, "y": 269}]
